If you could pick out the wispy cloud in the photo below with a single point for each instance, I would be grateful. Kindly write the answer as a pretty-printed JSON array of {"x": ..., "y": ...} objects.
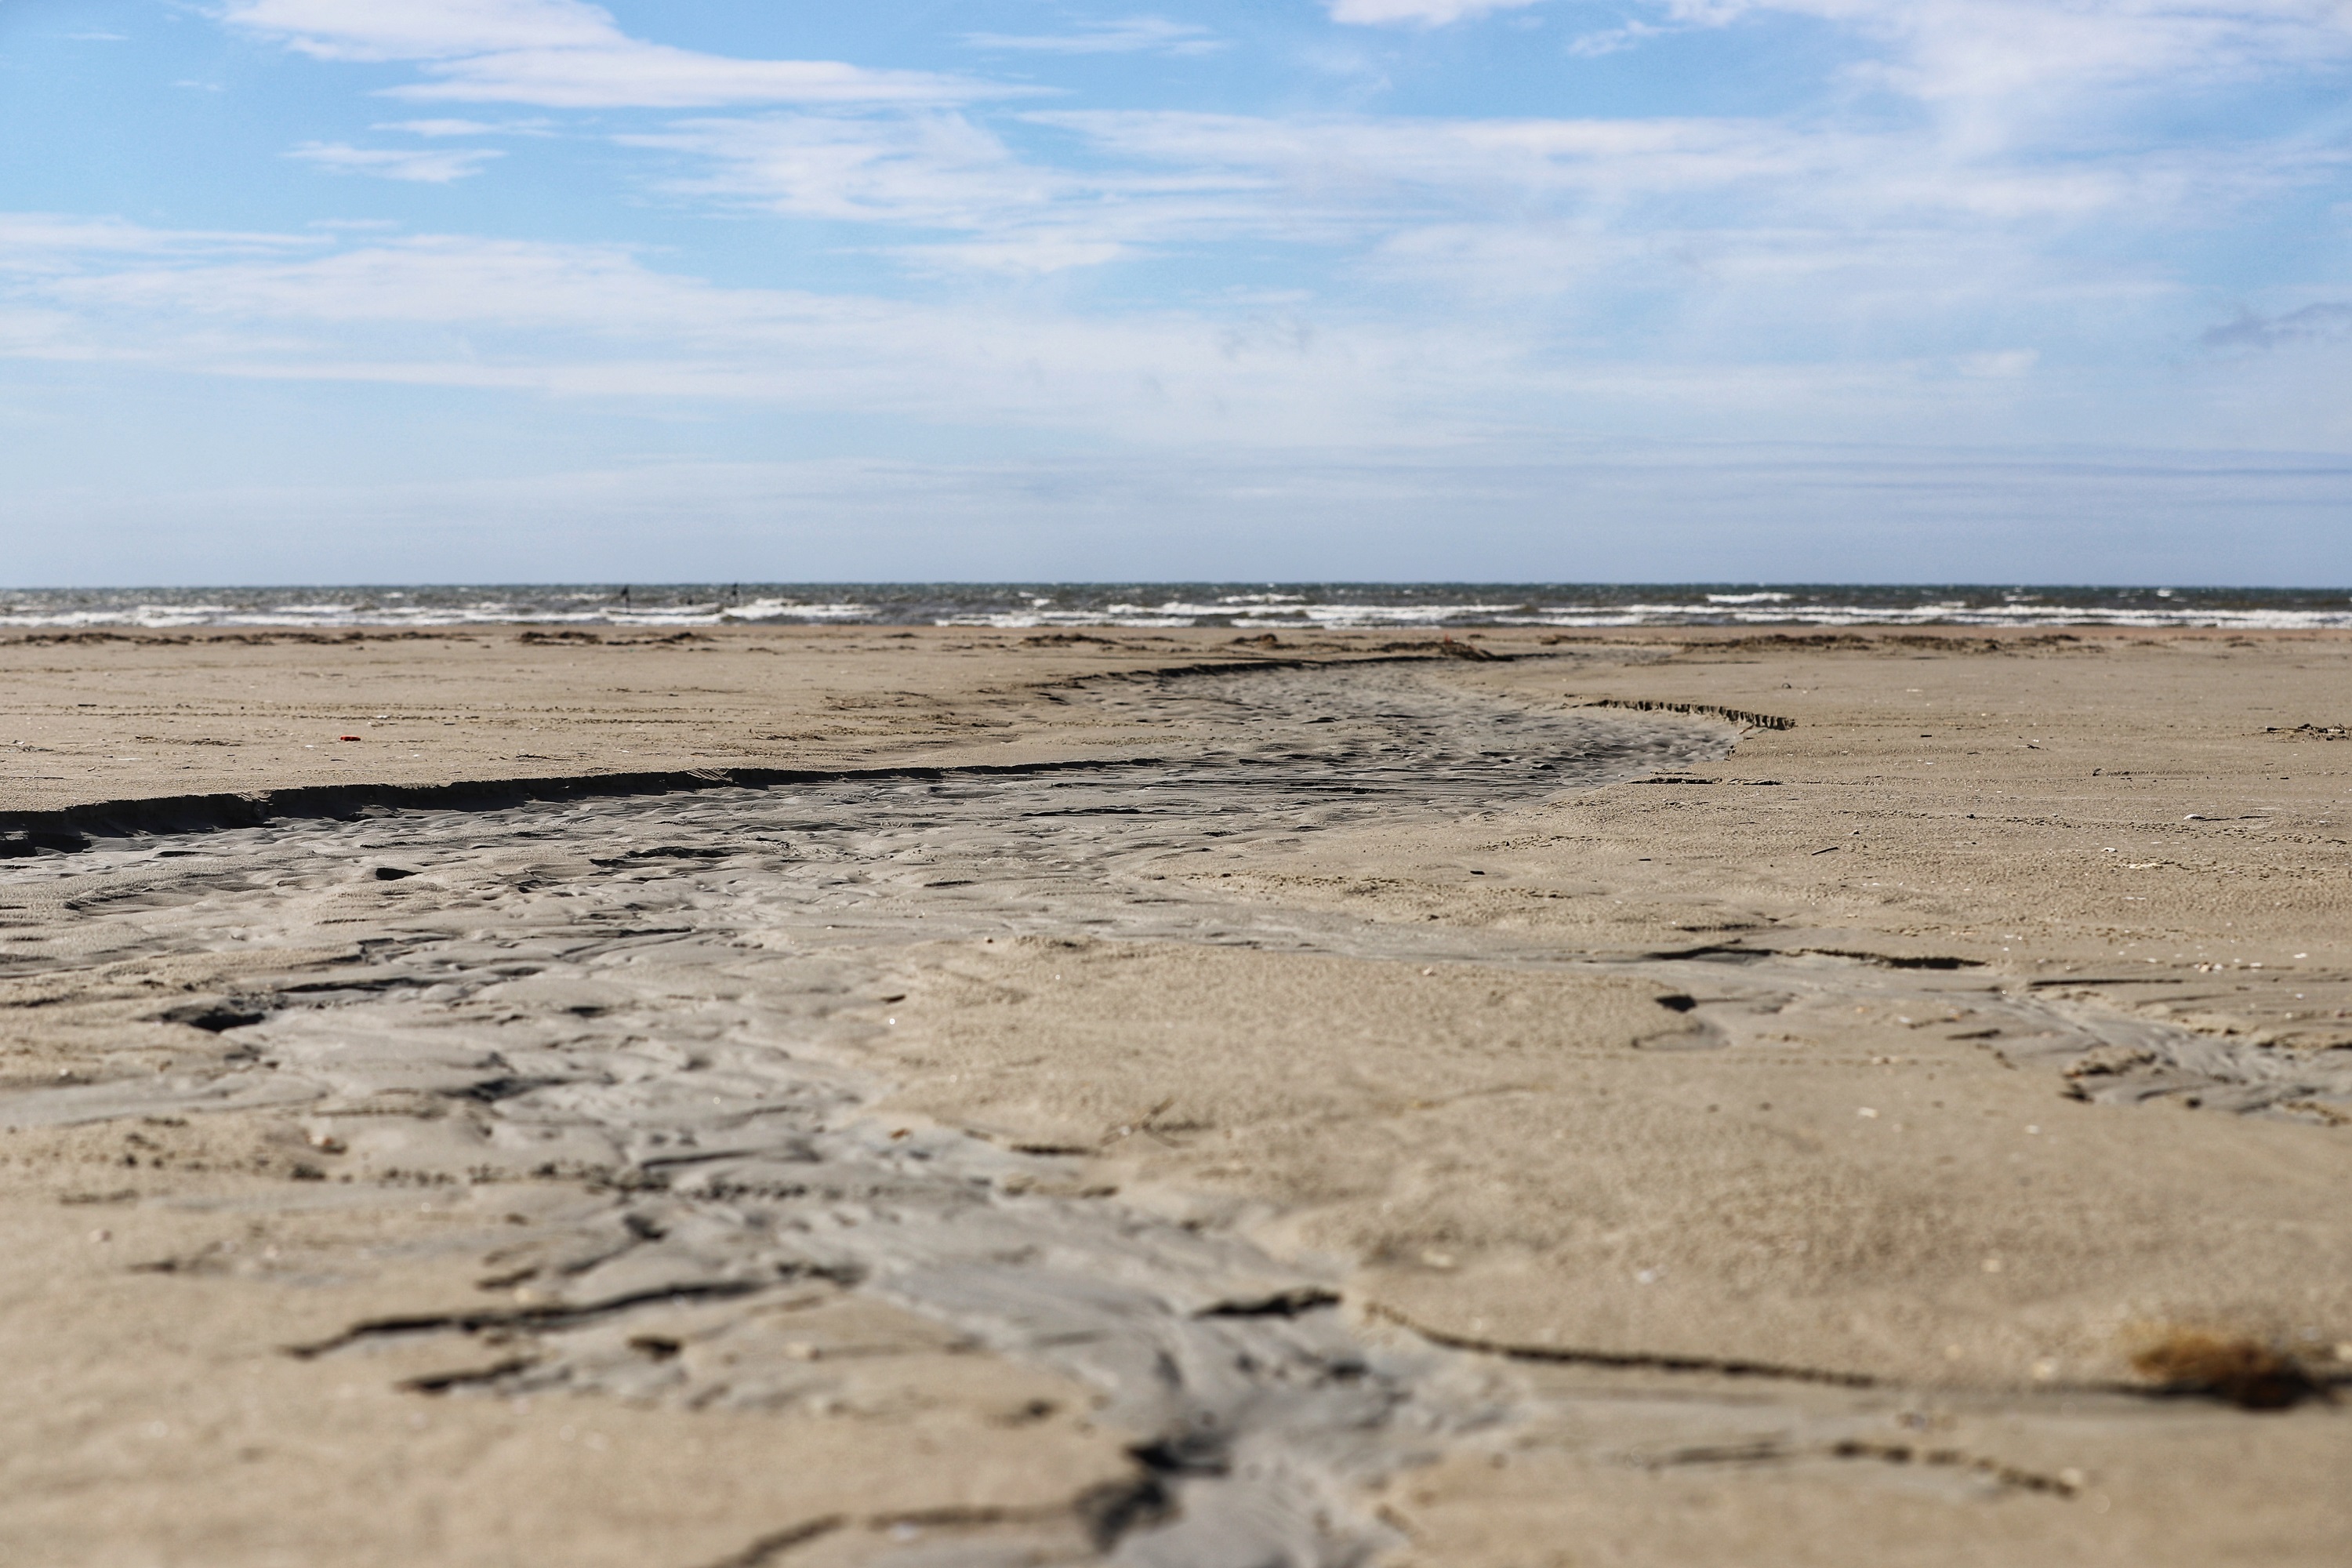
[
  {"x": 1952, "y": 51},
  {"x": 943, "y": 171},
  {"x": 2328, "y": 323},
  {"x": 1348, "y": 156},
  {"x": 420, "y": 167},
  {"x": 445, "y": 128},
  {"x": 1037, "y": 254},
  {"x": 1854, "y": 265},
  {"x": 426, "y": 29},
  {"x": 1797, "y": 216},
  {"x": 1130, "y": 35},
  {"x": 562, "y": 54},
  {"x": 1996, "y": 364},
  {"x": 1159, "y": 179},
  {"x": 931, "y": 170},
  {"x": 35, "y": 244},
  {"x": 1284, "y": 414},
  {"x": 599, "y": 320},
  {"x": 1372, "y": 176},
  {"x": 1417, "y": 13},
  {"x": 596, "y": 320},
  {"x": 653, "y": 76},
  {"x": 1613, "y": 40}
]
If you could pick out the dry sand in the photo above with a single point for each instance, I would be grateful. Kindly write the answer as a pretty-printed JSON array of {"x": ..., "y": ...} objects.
[{"x": 1883, "y": 1100}]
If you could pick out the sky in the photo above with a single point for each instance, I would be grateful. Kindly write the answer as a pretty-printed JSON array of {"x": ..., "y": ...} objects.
[{"x": 1797, "y": 290}]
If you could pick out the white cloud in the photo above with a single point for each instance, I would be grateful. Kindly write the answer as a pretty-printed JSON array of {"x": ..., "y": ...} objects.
[
  {"x": 43, "y": 243},
  {"x": 595, "y": 320},
  {"x": 1797, "y": 217},
  {"x": 1416, "y": 13},
  {"x": 1760, "y": 343},
  {"x": 1613, "y": 40},
  {"x": 654, "y": 76},
  {"x": 1831, "y": 263},
  {"x": 1633, "y": 172},
  {"x": 1951, "y": 50},
  {"x": 1997, "y": 364},
  {"x": 1038, "y": 255},
  {"x": 1957, "y": 50},
  {"x": 1343, "y": 155},
  {"x": 426, "y": 29},
  {"x": 434, "y": 168},
  {"x": 940, "y": 170},
  {"x": 439, "y": 127},
  {"x": 562, "y": 54},
  {"x": 935, "y": 170},
  {"x": 1130, "y": 35},
  {"x": 443, "y": 128},
  {"x": 1154, "y": 180}
]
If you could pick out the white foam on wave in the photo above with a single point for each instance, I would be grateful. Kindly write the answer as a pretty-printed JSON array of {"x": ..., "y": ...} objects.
[
  {"x": 1361, "y": 616},
  {"x": 595, "y": 610},
  {"x": 1255, "y": 609}
]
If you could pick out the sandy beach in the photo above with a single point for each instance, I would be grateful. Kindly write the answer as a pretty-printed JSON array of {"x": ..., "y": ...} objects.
[{"x": 866, "y": 1094}]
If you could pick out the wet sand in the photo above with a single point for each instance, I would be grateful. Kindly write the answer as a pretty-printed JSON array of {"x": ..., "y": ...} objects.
[{"x": 955, "y": 1097}]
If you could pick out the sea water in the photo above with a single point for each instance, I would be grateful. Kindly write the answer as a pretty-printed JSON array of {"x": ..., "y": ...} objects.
[{"x": 1269, "y": 607}]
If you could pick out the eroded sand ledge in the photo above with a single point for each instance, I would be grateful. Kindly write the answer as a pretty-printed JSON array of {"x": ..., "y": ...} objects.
[{"x": 1341, "y": 1122}]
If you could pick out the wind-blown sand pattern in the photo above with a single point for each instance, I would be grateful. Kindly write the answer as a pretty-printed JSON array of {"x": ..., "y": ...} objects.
[{"x": 1168, "y": 1102}]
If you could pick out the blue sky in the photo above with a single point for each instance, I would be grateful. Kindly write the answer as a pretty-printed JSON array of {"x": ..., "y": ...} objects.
[{"x": 1527, "y": 289}]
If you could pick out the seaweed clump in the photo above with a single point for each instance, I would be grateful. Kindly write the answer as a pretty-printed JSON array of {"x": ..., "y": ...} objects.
[{"x": 2245, "y": 1372}]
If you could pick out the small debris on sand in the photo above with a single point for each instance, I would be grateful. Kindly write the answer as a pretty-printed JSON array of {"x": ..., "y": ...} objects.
[{"x": 2243, "y": 1370}]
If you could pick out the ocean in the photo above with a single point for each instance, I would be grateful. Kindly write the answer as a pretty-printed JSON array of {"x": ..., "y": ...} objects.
[{"x": 1254, "y": 605}]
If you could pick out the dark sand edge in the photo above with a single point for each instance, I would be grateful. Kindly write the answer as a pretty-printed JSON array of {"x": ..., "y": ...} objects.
[{"x": 70, "y": 829}]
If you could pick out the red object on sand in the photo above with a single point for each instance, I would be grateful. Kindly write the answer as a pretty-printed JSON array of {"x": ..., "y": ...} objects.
[{"x": 350, "y": 737}]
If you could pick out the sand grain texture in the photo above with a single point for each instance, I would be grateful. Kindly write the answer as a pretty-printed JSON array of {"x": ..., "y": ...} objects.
[{"x": 1378, "y": 1107}]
